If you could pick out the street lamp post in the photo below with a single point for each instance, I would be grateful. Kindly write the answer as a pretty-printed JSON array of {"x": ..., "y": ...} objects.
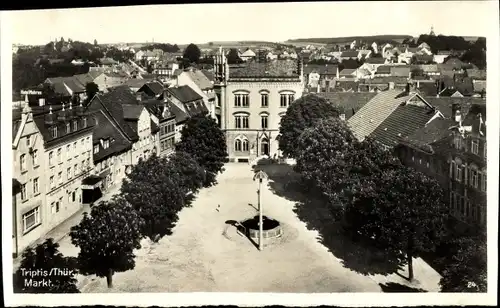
[
  {"x": 261, "y": 231},
  {"x": 260, "y": 175}
]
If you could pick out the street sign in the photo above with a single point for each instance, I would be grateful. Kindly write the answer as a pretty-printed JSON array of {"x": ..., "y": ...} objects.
[{"x": 260, "y": 175}]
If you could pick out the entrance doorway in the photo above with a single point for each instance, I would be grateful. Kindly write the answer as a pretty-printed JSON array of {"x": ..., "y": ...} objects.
[{"x": 264, "y": 146}]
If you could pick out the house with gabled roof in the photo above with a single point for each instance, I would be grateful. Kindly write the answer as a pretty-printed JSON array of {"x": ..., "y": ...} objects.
[
  {"x": 152, "y": 89},
  {"x": 124, "y": 109},
  {"x": 391, "y": 114},
  {"x": 203, "y": 86},
  {"x": 51, "y": 147}
]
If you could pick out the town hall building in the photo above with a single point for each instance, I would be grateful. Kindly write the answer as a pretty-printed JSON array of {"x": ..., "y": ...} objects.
[{"x": 252, "y": 99}]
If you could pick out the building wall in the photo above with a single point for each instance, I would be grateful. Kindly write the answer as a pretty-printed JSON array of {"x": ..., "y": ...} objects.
[
  {"x": 167, "y": 137},
  {"x": 254, "y": 133},
  {"x": 34, "y": 170},
  {"x": 66, "y": 187},
  {"x": 466, "y": 197},
  {"x": 144, "y": 147}
]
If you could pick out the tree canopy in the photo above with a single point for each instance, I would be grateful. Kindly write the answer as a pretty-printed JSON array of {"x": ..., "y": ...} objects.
[
  {"x": 191, "y": 175},
  {"x": 192, "y": 53},
  {"x": 107, "y": 239},
  {"x": 91, "y": 89},
  {"x": 165, "y": 47},
  {"x": 466, "y": 269},
  {"x": 402, "y": 211},
  {"x": 203, "y": 139},
  {"x": 301, "y": 114},
  {"x": 156, "y": 194},
  {"x": 233, "y": 57},
  {"x": 45, "y": 258}
]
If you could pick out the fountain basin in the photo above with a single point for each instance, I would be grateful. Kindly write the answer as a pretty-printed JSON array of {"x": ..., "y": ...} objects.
[{"x": 271, "y": 228}]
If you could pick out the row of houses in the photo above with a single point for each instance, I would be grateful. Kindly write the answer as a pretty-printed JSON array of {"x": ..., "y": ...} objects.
[{"x": 66, "y": 154}]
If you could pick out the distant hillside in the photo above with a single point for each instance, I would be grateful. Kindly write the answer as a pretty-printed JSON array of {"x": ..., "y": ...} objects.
[{"x": 348, "y": 39}]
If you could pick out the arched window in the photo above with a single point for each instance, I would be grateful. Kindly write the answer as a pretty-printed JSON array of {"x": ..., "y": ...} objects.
[
  {"x": 245, "y": 145},
  {"x": 237, "y": 145}
]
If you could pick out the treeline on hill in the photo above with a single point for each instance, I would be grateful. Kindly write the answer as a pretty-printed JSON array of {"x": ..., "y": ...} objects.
[
  {"x": 31, "y": 66},
  {"x": 338, "y": 40},
  {"x": 165, "y": 47}
]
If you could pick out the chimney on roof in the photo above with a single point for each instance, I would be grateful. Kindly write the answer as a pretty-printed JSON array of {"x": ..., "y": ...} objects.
[
  {"x": 455, "y": 110},
  {"x": 391, "y": 85},
  {"x": 138, "y": 96}
]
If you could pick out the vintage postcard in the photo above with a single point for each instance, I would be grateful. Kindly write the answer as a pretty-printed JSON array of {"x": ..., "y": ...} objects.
[{"x": 251, "y": 154}]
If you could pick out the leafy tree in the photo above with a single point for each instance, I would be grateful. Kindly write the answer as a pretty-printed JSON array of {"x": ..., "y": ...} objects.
[
  {"x": 402, "y": 211},
  {"x": 232, "y": 56},
  {"x": 203, "y": 139},
  {"x": 417, "y": 71},
  {"x": 107, "y": 238},
  {"x": 187, "y": 169},
  {"x": 91, "y": 89},
  {"x": 156, "y": 194},
  {"x": 43, "y": 259},
  {"x": 466, "y": 270},
  {"x": 301, "y": 114},
  {"x": 192, "y": 53}
]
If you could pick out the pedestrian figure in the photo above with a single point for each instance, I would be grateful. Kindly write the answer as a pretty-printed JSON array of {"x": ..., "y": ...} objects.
[{"x": 218, "y": 206}]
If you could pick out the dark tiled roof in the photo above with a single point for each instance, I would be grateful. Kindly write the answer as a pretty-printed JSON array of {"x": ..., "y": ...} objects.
[
  {"x": 154, "y": 87},
  {"x": 184, "y": 94},
  {"x": 108, "y": 131},
  {"x": 136, "y": 83},
  {"x": 424, "y": 57},
  {"x": 455, "y": 62},
  {"x": 402, "y": 122},
  {"x": 444, "y": 104},
  {"x": 372, "y": 60},
  {"x": 156, "y": 107},
  {"x": 376, "y": 111},
  {"x": 349, "y": 54},
  {"x": 427, "y": 89},
  {"x": 16, "y": 125},
  {"x": 272, "y": 69},
  {"x": 348, "y": 103},
  {"x": 180, "y": 116},
  {"x": 132, "y": 112},
  {"x": 113, "y": 103},
  {"x": 424, "y": 137},
  {"x": 42, "y": 113},
  {"x": 383, "y": 69}
]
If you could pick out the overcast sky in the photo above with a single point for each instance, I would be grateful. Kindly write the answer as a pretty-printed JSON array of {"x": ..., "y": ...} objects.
[{"x": 201, "y": 23}]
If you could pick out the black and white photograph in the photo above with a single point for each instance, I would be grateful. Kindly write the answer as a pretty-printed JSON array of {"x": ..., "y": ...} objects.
[{"x": 251, "y": 154}]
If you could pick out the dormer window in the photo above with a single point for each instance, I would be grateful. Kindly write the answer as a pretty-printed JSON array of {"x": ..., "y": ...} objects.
[
  {"x": 75, "y": 125},
  {"x": 53, "y": 131},
  {"x": 68, "y": 128},
  {"x": 105, "y": 144},
  {"x": 96, "y": 149}
]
